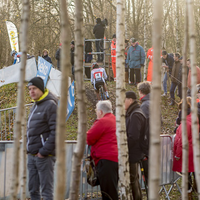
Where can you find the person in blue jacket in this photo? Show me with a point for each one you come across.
(135, 59)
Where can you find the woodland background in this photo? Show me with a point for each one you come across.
(44, 28)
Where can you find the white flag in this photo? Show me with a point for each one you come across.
(13, 36)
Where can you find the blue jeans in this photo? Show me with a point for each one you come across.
(165, 83)
(172, 90)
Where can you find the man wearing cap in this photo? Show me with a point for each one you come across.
(41, 129)
(135, 59)
(135, 127)
(113, 55)
(169, 62)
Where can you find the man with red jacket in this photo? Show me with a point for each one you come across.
(102, 139)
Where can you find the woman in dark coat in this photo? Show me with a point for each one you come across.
(46, 56)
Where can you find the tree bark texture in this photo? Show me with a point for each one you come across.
(24, 158)
(184, 111)
(195, 131)
(61, 113)
(155, 108)
(81, 99)
(20, 99)
(124, 175)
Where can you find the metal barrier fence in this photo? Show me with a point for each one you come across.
(168, 177)
(7, 118)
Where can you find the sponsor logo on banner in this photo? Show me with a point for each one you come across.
(71, 100)
(44, 69)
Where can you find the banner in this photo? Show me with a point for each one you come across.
(11, 74)
(44, 69)
(71, 100)
(13, 36)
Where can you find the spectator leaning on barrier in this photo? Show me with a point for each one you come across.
(169, 62)
(41, 129)
(45, 55)
(177, 154)
(135, 127)
(176, 78)
(104, 150)
(135, 59)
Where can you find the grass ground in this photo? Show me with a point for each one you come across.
(8, 98)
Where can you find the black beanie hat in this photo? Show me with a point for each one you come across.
(131, 95)
(38, 82)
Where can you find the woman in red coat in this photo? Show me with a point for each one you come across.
(177, 155)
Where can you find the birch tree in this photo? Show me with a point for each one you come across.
(61, 114)
(24, 158)
(81, 99)
(195, 130)
(178, 44)
(184, 111)
(20, 99)
(145, 37)
(124, 175)
(155, 123)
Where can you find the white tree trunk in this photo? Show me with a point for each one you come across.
(124, 175)
(61, 114)
(155, 123)
(81, 99)
(184, 112)
(20, 99)
(145, 38)
(195, 131)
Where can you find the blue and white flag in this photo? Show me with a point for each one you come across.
(71, 100)
(44, 69)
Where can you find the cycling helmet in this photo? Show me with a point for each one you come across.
(13, 52)
(95, 65)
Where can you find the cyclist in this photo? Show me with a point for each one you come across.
(98, 77)
(15, 55)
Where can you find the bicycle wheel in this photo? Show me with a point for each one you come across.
(102, 94)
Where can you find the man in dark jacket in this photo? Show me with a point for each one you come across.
(98, 32)
(169, 62)
(144, 89)
(41, 129)
(135, 127)
(57, 56)
(176, 78)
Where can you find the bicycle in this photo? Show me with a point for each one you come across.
(102, 93)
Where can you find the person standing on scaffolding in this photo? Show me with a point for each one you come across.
(98, 31)
(113, 55)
